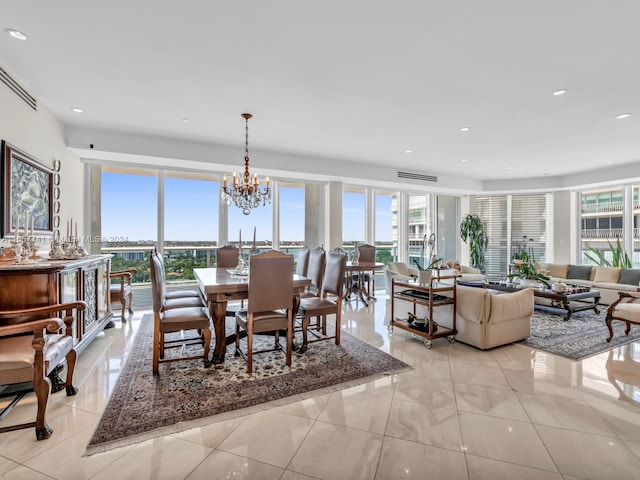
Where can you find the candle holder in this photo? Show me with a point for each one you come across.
(23, 248)
(67, 249)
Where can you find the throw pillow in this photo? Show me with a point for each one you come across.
(579, 272)
(607, 274)
(630, 276)
(558, 270)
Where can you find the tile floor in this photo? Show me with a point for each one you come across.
(461, 413)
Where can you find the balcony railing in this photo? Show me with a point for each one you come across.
(604, 233)
(602, 207)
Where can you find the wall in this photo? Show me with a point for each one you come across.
(41, 135)
(562, 221)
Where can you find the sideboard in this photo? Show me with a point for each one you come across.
(49, 282)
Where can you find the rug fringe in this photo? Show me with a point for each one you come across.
(221, 417)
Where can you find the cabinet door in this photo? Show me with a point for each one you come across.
(90, 290)
(102, 289)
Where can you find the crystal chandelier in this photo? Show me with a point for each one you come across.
(245, 191)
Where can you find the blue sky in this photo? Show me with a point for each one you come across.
(129, 204)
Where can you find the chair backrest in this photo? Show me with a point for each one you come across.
(270, 281)
(334, 273)
(367, 253)
(158, 292)
(227, 256)
(315, 271)
(302, 263)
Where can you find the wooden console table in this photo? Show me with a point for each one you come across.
(52, 282)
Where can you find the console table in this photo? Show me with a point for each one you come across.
(49, 282)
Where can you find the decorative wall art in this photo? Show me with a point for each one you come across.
(26, 191)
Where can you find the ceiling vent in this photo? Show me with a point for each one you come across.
(418, 176)
(17, 89)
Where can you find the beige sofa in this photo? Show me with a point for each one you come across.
(607, 280)
(399, 271)
(486, 319)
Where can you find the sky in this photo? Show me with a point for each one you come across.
(129, 205)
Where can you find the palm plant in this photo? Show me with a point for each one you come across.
(619, 256)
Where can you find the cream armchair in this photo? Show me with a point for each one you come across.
(398, 270)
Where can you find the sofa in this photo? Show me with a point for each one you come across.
(607, 280)
(399, 271)
(485, 318)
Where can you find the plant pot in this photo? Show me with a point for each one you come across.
(529, 282)
(424, 277)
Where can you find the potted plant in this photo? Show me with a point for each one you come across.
(424, 271)
(521, 252)
(529, 276)
(619, 256)
(472, 231)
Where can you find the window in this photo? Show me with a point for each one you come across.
(353, 218)
(384, 218)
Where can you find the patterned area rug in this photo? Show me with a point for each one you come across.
(186, 394)
(582, 336)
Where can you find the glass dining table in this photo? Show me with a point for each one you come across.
(219, 286)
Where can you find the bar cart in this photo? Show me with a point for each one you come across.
(436, 293)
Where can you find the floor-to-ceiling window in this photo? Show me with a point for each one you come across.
(129, 220)
(292, 217)
(191, 204)
(514, 218)
(421, 232)
(353, 218)
(386, 244)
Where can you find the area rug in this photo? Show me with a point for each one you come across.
(186, 394)
(582, 336)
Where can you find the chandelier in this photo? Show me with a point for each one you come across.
(245, 191)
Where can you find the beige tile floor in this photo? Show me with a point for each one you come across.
(461, 413)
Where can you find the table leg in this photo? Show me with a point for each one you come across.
(218, 311)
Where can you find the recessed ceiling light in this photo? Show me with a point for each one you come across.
(17, 34)
(185, 119)
(408, 151)
(562, 91)
(623, 115)
(463, 160)
(609, 162)
(465, 129)
(509, 168)
(77, 110)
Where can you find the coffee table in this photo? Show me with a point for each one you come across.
(576, 299)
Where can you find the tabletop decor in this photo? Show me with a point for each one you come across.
(186, 394)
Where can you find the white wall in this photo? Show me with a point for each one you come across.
(41, 135)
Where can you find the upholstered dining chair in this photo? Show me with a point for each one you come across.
(302, 262)
(315, 272)
(176, 315)
(33, 342)
(625, 309)
(329, 303)
(175, 298)
(367, 255)
(122, 291)
(270, 304)
(227, 256)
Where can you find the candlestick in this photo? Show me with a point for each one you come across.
(17, 223)
(240, 238)
(68, 229)
(224, 181)
(76, 229)
(254, 238)
(33, 226)
(26, 222)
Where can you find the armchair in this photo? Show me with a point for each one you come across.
(31, 347)
(625, 309)
(122, 291)
(398, 270)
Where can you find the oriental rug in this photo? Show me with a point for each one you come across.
(186, 394)
(582, 336)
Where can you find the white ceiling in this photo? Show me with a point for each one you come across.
(359, 81)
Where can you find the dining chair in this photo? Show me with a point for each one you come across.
(302, 262)
(315, 272)
(367, 255)
(122, 291)
(34, 342)
(227, 256)
(176, 294)
(270, 304)
(176, 315)
(329, 303)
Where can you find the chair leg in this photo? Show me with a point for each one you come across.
(305, 326)
(130, 304)
(42, 388)
(338, 324)
(289, 338)
(628, 329)
(206, 336)
(156, 349)
(71, 365)
(608, 322)
(250, 346)
(123, 302)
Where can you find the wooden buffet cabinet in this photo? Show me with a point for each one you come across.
(49, 282)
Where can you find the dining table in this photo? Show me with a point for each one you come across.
(356, 280)
(219, 286)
